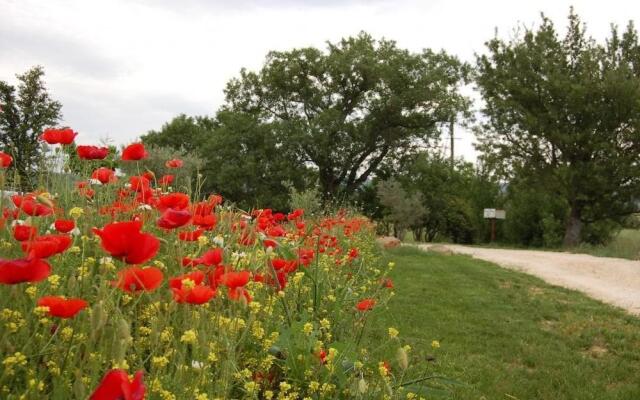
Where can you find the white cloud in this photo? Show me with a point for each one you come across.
(123, 67)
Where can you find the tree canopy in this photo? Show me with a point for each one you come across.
(348, 109)
(567, 112)
(24, 113)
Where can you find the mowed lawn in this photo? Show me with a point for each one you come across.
(508, 335)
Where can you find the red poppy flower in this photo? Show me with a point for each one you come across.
(196, 276)
(365, 304)
(171, 219)
(136, 279)
(386, 366)
(207, 222)
(149, 175)
(64, 225)
(84, 190)
(123, 240)
(46, 246)
(23, 270)
(24, 232)
(387, 283)
(62, 307)
(175, 163)
(288, 266)
(92, 152)
(353, 253)
(215, 277)
(5, 160)
(139, 183)
(280, 283)
(305, 255)
(30, 205)
(322, 355)
(198, 294)
(295, 214)
(134, 152)
(177, 200)
(190, 236)
(210, 257)
(275, 231)
(270, 243)
(58, 136)
(104, 175)
(235, 281)
(116, 386)
(166, 180)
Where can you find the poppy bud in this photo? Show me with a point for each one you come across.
(124, 333)
(71, 284)
(362, 386)
(78, 386)
(44, 199)
(98, 318)
(402, 358)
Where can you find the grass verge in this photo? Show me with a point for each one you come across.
(508, 335)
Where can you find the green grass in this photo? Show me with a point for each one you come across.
(508, 335)
(626, 244)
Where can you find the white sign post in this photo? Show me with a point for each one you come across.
(493, 214)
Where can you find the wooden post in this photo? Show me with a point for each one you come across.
(493, 229)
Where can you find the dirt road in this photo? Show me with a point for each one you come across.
(612, 280)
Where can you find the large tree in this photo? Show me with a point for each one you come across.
(24, 113)
(348, 109)
(567, 112)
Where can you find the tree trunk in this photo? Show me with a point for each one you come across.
(573, 228)
(399, 231)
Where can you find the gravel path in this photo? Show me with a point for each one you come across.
(612, 280)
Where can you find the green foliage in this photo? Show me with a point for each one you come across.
(23, 117)
(403, 210)
(242, 159)
(452, 197)
(182, 132)
(348, 110)
(245, 163)
(308, 200)
(534, 216)
(566, 111)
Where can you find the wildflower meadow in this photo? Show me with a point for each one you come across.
(142, 287)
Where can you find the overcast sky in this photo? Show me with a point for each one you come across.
(123, 67)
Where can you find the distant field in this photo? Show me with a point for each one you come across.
(508, 335)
